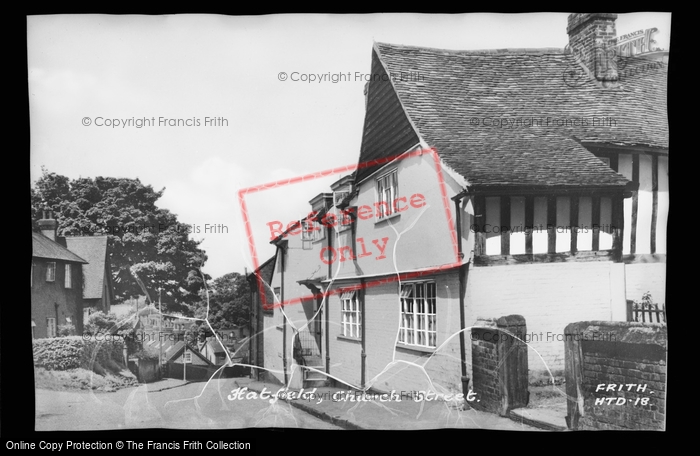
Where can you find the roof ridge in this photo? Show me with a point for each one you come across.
(466, 52)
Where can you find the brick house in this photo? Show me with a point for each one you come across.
(482, 163)
(56, 282)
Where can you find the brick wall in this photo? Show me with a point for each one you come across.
(589, 37)
(616, 375)
(499, 364)
(45, 295)
(485, 365)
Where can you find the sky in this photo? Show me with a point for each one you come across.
(94, 78)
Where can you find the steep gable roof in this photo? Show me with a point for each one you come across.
(178, 348)
(453, 98)
(94, 249)
(43, 247)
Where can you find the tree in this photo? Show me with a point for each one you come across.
(229, 301)
(102, 323)
(144, 240)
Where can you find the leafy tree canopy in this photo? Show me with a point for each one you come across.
(144, 240)
(229, 301)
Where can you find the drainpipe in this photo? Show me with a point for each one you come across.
(363, 364)
(55, 305)
(329, 232)
(252, 316)
(284, 320)
(463, 270)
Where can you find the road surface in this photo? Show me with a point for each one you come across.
(190, 406)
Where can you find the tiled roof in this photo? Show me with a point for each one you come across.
(94, 250)
(43, 247)
(175, 350)
(266, 270)
(453, 98)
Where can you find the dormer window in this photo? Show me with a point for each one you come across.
(346, 218)
(312, 230)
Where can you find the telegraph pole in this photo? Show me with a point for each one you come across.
(160, 333)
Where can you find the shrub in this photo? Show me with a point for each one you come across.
(58, 353)
(72, 352)
(101, 323)
(646, 303)
(66, 330)
(147, 353)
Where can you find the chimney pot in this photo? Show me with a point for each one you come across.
(48, 225)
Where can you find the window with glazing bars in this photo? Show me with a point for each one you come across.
(418, 314)
(387, 189)
(350, 314)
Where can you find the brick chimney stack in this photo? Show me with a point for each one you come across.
(48, 224)
(590, 36)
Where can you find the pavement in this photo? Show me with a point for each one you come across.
(165, 384)
(167, 403)
(353, 410)
(550, 419)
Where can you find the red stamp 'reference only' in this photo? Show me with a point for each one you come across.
(364, 212)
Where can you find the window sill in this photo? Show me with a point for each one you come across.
(388, 217)
(350, 339)
(415, 348)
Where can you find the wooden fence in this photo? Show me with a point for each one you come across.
(645, 312)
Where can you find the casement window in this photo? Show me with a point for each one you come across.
(50, 327)
(350, 315)
(345, 220)
(312, 230)
(387, 191)
(51, 271)
(418, 314)
(69, 276)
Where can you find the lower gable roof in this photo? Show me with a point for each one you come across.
(43, 247)
(533, 160)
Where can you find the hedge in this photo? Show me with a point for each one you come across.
(63, 353)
